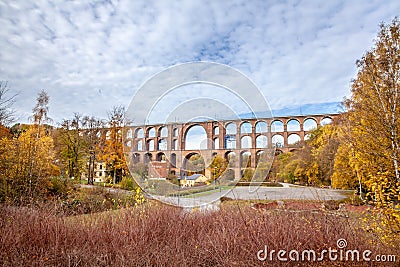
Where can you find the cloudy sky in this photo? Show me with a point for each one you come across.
(92, 55)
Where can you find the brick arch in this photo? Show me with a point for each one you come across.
(273, 127)
(248, 164)
(309, 119)
(186, 130)
(245, 131)
(258, 130)
(296, 128)
(139, 133)
(161, 131)
(186, 166)
(326, 118)
(149, 132)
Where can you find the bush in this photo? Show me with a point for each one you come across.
(58, 186)
(127, 183)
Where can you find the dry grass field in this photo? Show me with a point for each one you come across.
(153, 234)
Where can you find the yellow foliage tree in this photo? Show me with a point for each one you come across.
(374, 121)
(112, 151)
(19, 180)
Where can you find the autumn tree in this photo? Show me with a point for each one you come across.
(92, 137)
(373, 117)
(112, 151)
(217, 167)
(6, 112)
(312, 164)
(6, 102)
(72, 146)
(324, 142)
(39, 117)
(345, 172)
(293, 166)
(27, 161)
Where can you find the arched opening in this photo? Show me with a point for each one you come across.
(326, 120)
(195, 138)
(175, 144)
(193, 163)
(261, 141)
(150, 145)
(160, 157)
(228, 175)
(261, 127)
(139, 133)
(309, 124)
(230, 136)
(173, 160)
(162, 144)
(245, 159)
(129, 133)
(277, 126)
(245, 142)
(139, 146)
(259, 154)
(230, 128)
(151, 132)
(163, 131)
(277, 141)
(293, 125)
(216, 130)
(175, 132)
(245, 128)
(293, 139)
(216, 143)
(230, 157)
(136, 158)
(148, 157)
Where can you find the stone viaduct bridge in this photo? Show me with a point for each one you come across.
(166, 146)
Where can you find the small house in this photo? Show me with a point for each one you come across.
(193, 180)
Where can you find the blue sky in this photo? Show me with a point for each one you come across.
(92, 55)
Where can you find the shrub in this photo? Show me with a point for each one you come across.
(127, 183)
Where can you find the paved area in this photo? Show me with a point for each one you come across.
(210, 199)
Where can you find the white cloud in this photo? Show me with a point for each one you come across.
(93, 55)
